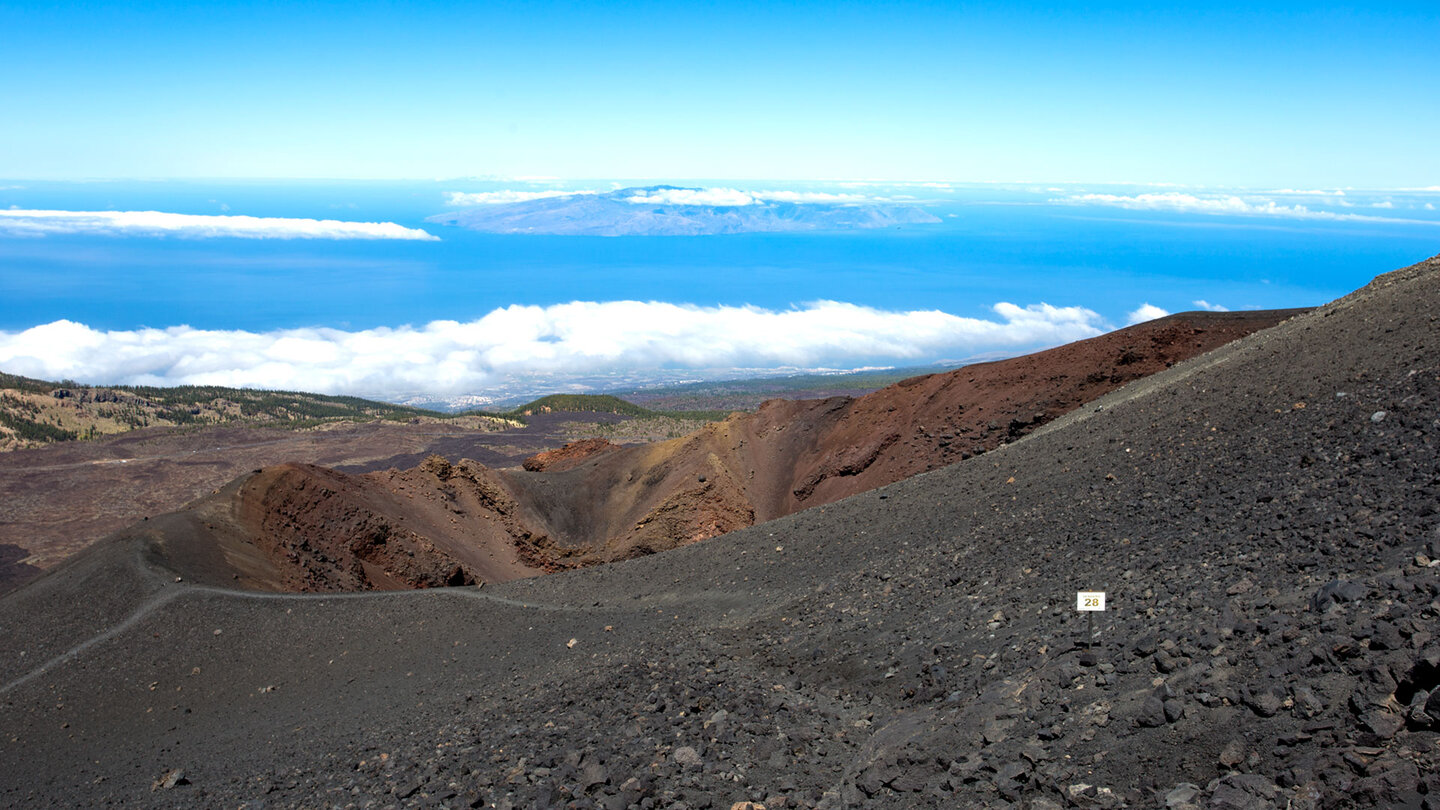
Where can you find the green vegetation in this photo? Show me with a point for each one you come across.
(30, 430)
(580, 403)
(747, 394)
(182, 400)
(13, 404)
(605, 403)
(34, 412)
(15, 382)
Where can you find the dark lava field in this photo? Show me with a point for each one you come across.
(1263, 519)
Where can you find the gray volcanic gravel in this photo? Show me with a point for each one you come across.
(1263, 520)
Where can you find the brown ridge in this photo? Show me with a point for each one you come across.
(569, 456)
(595, 502)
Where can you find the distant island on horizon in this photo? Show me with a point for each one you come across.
(678, 211)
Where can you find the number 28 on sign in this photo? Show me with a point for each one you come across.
(1090, 600)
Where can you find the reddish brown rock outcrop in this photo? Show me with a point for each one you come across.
(433, 526)
(568, 456)
(592, 502)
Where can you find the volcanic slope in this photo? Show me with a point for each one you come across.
(1263, 519)
(596, 502)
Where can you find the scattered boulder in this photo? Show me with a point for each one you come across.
(1382, 723)
(1233, 753)
(1243, 791)
(1307, 702)
(687, 756)
(170, 779)
(1267, 701)
(1181, 795)
(1337, 591)
(1152, 713)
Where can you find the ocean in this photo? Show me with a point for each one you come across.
(993, 244)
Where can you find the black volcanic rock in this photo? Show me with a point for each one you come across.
(615, 214)
(920, 650)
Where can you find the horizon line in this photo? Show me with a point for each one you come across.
(543, 180)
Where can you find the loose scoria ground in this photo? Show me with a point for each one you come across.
(1263, 519)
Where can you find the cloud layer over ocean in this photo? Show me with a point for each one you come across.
(23, 222)
(505, 197)
(1236, 205)
(448, 357)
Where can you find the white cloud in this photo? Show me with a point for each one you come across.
(1385, 204)
(811, 197)
(1178, 201)
(22, 222)
(1223, 205)
(694, 196)
(1310, 192)
(736, 197)
(1146, 312)
(1209, 307)
(1429, 206)
(575, 338)
(501, 197)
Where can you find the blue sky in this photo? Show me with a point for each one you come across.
(1254, 94)
(1091, 164)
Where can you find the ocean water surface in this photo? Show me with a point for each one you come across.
(1020, 245)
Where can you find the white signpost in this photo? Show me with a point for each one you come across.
(1090, 603)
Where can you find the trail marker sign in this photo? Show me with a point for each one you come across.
(1090, 603)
